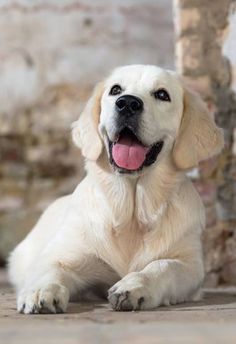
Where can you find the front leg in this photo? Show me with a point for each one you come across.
(161, 282)
(52, 283)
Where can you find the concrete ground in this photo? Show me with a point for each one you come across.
(213, 320)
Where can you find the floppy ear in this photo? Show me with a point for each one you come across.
(199, 138)
(85, 130)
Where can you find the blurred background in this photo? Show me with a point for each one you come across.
(52, 53)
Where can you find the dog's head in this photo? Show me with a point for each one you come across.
(142, 113)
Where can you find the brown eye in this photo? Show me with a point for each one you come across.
(162, 94)
(116, 89)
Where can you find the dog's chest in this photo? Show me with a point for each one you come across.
(130, 219)
(126, 250)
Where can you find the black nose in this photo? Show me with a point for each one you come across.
(129, 105)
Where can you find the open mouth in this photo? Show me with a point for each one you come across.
(129, 154)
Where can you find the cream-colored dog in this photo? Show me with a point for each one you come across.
(134, 223)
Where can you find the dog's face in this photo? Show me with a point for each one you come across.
(141, 110)
(142, 113)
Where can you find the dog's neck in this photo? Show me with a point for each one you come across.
(142, 199)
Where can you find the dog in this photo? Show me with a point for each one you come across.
(132, 227)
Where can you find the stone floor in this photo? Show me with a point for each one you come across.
(213, 320)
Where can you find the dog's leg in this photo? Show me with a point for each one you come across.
(162, 282)
(53, 283)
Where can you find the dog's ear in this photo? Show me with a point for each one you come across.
(199, 138)
(85, 130)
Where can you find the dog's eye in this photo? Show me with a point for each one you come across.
(116, 89)
(162, 94)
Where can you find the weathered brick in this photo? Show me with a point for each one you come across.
(186, 20)
(12, 148)
(189, 54)
(200, 84)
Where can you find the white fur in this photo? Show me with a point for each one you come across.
(139, 235)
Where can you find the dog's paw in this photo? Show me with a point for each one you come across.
(52, 298)
(129, 294)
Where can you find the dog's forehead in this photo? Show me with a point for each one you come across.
(146, 76)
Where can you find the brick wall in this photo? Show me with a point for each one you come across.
(204, 34)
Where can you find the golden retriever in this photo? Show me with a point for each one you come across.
(132, 227)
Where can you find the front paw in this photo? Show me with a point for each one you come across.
(130, 293)
(52, 298)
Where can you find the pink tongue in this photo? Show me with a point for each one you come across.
(129, 154)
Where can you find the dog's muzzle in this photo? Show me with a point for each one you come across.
(127, 152)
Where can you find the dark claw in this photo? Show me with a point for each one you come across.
(113, 299)
(34, 310)
(56, 305)
(121, 300)
(125, 306)
(22, 308)
(140, 302)
(44, 309)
